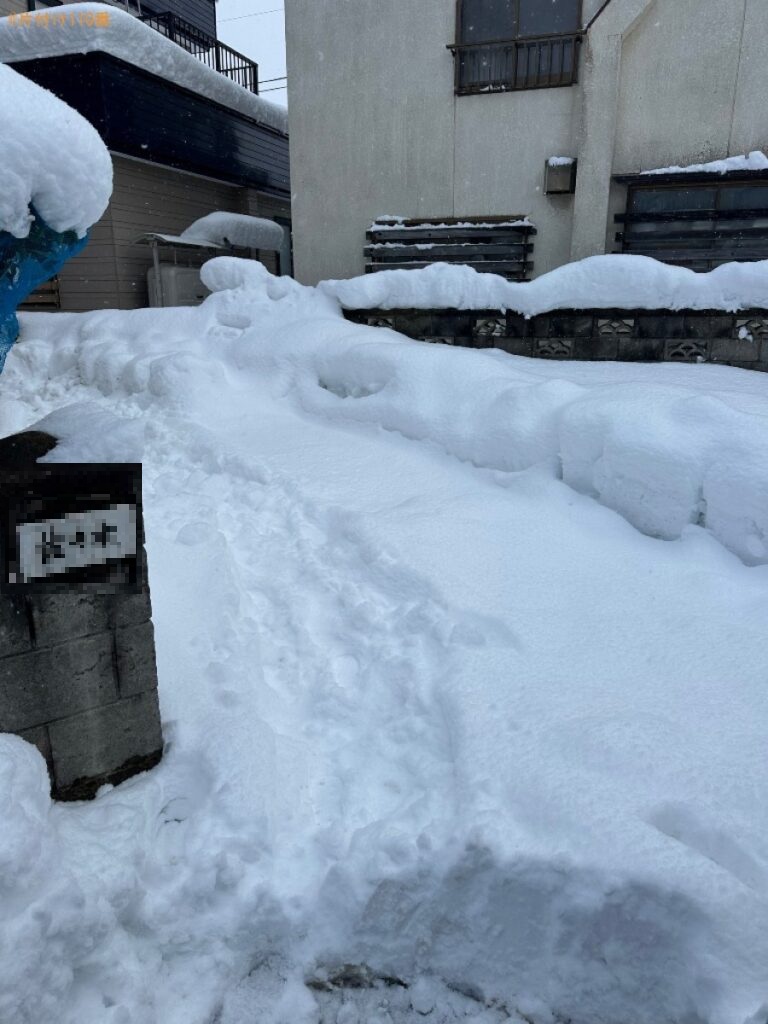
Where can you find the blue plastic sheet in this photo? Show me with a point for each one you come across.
(25, 263)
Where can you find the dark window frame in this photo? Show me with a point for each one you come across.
(513, 81)
(662, 234)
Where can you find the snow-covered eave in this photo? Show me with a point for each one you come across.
(125, 37)
(687, 177)
(749, 166)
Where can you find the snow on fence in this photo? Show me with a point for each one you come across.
(616, 307)
(492, 245)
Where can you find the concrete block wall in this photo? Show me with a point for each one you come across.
(78, 679)
(77, 667)
(689, 336)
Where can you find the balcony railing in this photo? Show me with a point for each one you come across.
(207, 49)
(510, 64)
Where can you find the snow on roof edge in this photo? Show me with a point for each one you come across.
(130, 40)
(754, 161)
(223, 227)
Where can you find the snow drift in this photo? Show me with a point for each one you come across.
(449, 738)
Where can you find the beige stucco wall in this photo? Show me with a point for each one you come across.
(376, 127)
(371, 131)
(678, 82)
(111, 271)
(12, 7)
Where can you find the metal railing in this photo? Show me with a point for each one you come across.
(206, 48)
(536, 63)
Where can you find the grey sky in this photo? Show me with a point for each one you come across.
(257, 29)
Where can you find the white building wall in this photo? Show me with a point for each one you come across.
(376, 127)
(501, 144)
(679, 72)
(370, 92)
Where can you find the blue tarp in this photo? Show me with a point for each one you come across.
(25, 263)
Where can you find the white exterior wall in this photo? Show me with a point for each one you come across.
(376, 127)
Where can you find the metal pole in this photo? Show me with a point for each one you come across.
(158, 276)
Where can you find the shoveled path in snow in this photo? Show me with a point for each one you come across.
(534, 636)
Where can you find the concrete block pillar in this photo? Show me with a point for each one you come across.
(77, 666)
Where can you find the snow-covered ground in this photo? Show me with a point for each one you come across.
(463, 672)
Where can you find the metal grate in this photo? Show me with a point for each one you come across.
(206, 48)
(699, 226)
(495, 245)
(511, 64)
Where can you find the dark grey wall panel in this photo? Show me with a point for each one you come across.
(200, 13)
(142, 115)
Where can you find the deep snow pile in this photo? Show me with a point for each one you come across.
(598, 282)
(449, 738)
(52, 158)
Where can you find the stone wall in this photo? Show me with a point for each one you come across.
(735, 339)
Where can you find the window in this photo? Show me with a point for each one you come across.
(516, 44)
(699, 225)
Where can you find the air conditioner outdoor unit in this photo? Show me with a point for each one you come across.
(181, 286)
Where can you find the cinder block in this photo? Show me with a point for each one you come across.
(136, 667)
(59, 617)
(597, 347)
(515, 346)
(646, 350)
(106, 744)
(129, 609)
(708, 325)
(14, 627)
(42, 685)
(39, 738)
(726, 350)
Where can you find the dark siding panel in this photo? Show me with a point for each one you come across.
(75, 79)
(200, 13)
(141, 115)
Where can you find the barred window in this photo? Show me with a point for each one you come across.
(516, 44)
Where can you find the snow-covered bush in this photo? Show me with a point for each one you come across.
(57, 180)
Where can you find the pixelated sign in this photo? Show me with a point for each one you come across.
(71, 526)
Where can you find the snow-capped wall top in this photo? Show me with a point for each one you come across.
(52, 158)
(23, 37)
(222, 228)
(598, 282)
(390, 223)
(754, 161)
